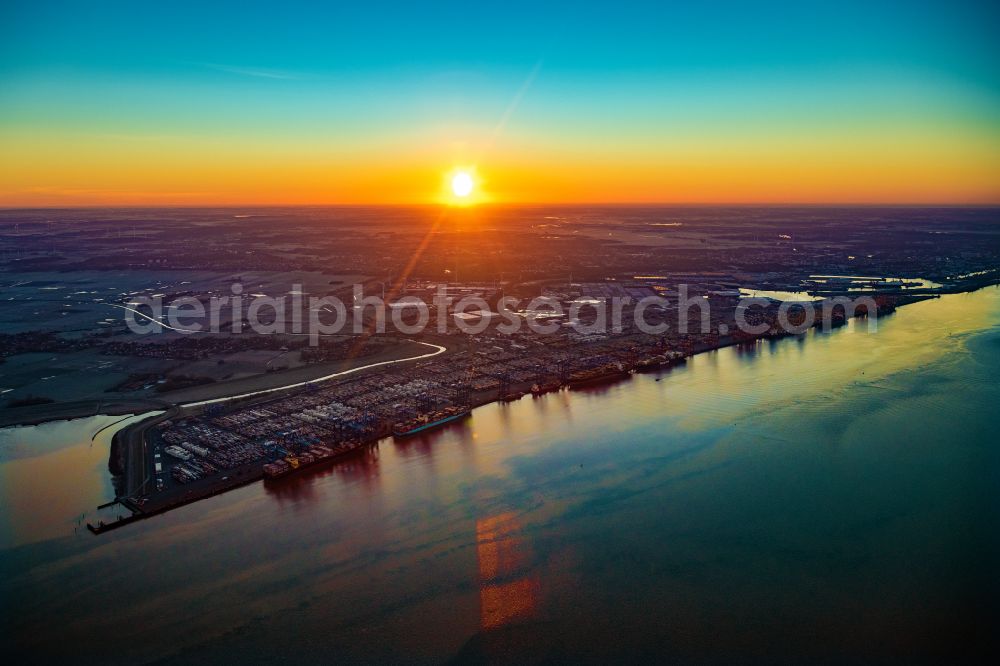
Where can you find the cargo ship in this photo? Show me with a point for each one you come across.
(429, 421)
(548, 387)
(659, 362)
(598, 375)
(649, 364)
(313, 456)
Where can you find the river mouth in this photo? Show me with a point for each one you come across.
(809, 487)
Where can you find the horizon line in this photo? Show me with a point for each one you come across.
(437, 205)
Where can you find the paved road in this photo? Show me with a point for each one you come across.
(438, 349)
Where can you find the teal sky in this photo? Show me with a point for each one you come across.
(944, 39)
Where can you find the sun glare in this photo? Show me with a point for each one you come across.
(462, 184)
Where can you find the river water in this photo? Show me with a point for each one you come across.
(832, 496)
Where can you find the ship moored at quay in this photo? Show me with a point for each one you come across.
(430, 421)
(314, 456)
(659, 362)
(605, 373)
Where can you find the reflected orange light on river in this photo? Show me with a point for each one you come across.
(506, 593)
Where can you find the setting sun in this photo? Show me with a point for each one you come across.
(462, 184)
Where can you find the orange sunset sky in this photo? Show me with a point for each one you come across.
(123, 105)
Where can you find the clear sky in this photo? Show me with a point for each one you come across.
(131, 103)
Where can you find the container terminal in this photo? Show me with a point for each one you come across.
(188, 453)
